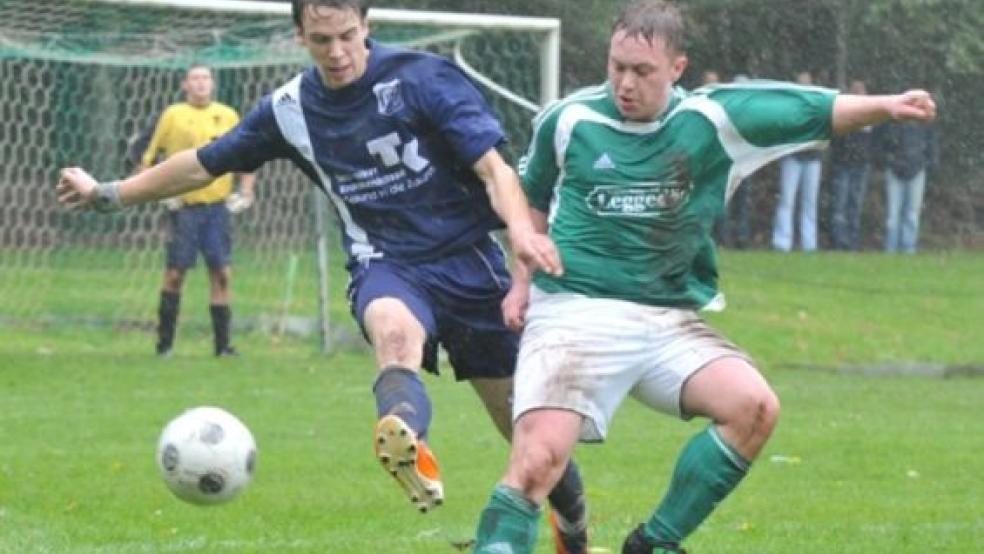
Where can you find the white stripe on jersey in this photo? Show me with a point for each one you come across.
(287, 109)
(579, 112)
(747, 157)
(585, 94)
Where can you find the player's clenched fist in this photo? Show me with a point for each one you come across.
(913, 105)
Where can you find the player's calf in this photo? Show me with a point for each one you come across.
(568, 516)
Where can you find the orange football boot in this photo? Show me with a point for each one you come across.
(409, 461)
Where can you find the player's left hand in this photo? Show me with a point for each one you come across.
(75, 188)
(515, 304)
(913, 105)
(536, 251)
(173, 203)
(238, 202)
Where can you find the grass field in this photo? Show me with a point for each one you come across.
(858, 464)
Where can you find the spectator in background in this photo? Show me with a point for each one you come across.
(799, 172)
(710, 77)
(906, 151)
(850, 160)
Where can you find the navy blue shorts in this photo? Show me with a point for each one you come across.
(199, 227)
(456, 299)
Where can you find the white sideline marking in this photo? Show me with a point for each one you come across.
(192, 544)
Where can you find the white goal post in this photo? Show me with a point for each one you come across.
(548, 27)
(80, 77)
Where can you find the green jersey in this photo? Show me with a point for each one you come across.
(631, 204)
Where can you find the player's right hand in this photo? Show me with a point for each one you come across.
(75, 188)
(537, 251)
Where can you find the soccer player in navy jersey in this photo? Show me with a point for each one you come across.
(405, 147)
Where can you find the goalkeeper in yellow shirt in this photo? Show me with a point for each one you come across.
(198, 220)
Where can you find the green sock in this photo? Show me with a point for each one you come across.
(706, 472)
(509, 518)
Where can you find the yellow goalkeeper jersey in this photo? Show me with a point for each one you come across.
(183, 126)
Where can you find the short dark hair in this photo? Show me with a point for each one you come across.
(652, 19)
(297, 7)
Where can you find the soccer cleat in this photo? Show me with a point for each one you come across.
(638, 543)
(409, 461)
(567, 542)
(163, 351)
(227, 352)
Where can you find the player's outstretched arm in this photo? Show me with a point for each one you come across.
(176, 175)
(853, 112)
(531, 247)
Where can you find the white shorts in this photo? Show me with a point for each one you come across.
(586, 354)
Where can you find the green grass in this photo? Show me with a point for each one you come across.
(857, 464)
(104, 284)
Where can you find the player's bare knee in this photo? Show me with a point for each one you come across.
(220, 280)
(538, 465)
(769, 409)
(393, 343)
(173, 280)
(757, 413)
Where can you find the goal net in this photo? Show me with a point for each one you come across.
(79, 79)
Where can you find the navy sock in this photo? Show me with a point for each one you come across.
(567, 499)
(399, 391)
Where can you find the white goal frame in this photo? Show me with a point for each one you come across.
(546, 27)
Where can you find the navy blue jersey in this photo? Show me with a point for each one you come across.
(394, 151)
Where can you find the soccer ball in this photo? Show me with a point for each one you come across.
(206, 456)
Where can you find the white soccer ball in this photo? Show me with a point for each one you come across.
(206, 456)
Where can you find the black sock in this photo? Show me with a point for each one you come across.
(221, 318)
(167, 319)
(567, 498)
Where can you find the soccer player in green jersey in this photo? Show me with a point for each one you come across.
(629, 177)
